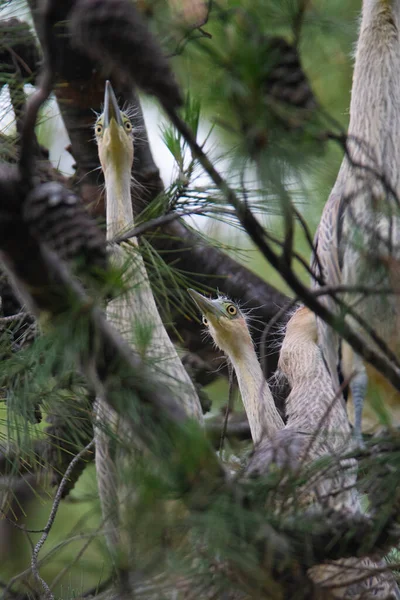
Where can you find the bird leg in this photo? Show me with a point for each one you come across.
(358, 388)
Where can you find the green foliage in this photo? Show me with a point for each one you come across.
(276, 157)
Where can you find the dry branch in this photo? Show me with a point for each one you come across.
(56, 503)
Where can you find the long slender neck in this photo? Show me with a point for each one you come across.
(375, 101)
(119, 207)
(135, 313)
(261, 411)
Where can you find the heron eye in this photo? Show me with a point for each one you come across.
(232, 310)
(128, 125)
(99, 129)
(205, 321)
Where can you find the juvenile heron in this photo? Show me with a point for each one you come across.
(228, 328)
(317, 418)
(317, 426)
(312, 409)
(137, 309)
(358, 236)
(135, 313)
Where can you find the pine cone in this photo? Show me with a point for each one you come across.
(58, 218)
(286, 81)
(114, 31)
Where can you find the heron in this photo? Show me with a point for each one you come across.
(300, 361)
(314, 408)
(134, 313)
(228, 327)
(358, 237)
(317, 425)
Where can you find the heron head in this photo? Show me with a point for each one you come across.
(225, 322)
(114, 136)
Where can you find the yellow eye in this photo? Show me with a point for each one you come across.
(99, 129)
(205, 321)
(128, 126)
(232, 310)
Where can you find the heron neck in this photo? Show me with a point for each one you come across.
(259, 404)
(119, 206)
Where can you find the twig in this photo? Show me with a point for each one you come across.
(20, 527)
(158, 222)
(309, 239)
(28, 138)
(188, 37)
(12, 318)
(298, 21)
(287, 247)
(52, 516)
(353, 289)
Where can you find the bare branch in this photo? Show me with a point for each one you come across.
(50, 521)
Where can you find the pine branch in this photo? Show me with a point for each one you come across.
(114, 360)
(48, 288)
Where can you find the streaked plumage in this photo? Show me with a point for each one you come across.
(134, 313)
(317, 426)
(358, 236)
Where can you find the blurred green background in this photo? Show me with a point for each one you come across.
(75, 555)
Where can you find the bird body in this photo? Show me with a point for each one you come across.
(317, 426)
(317, 423)
(358, 238)
(314, 407)
(135, 315)
(301, 362)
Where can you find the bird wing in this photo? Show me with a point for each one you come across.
(326, 264)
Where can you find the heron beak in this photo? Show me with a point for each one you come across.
(111, 108)
(207, 307)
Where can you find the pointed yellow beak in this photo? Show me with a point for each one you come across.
(115, 145)
(207, 307)
(111, 108)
